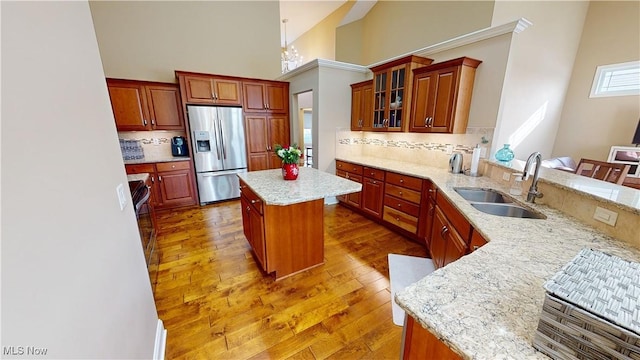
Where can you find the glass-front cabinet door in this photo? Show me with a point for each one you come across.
(380, 101)
(392, 92)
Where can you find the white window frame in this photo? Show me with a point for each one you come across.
(603, 71)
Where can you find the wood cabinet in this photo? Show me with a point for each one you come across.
(253, 223)
(141, 105)
(352, 172)
(392, 92)
(477, 241)
(449, 234)
(172, 183)
(402, 198)
(372, 191)
(209, 89)
(442, 96)
(428, 208)
(362, 106)
(283, 250)
(266, 96)
(419, 343)
(262, 133)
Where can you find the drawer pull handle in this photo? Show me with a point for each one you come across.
(254, 201)
(398, 219)
(399, 205)
(248, 209)
(400, 193)
(401, 180)
(444, 231)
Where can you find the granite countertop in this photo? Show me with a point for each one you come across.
(150, 160)
(487, 304)
(311, 184)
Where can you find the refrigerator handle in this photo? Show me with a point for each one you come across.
(222, 144)
(215, 137)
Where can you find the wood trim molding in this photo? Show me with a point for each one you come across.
(318, 63)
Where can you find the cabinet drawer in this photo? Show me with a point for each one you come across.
(140, 168)
(402, 193)
(455, 217)
(409, 182)
(400, 219)
(251, 197)
(402, 205)
(174, 165)
(349, 167)
(373, 173)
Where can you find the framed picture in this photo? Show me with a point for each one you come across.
(626, 155)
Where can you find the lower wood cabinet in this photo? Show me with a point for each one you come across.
(402, 198)
(283, 250)
(428, 208)
(253, 224)
(477, 241)
(372, 191)
(449, 234)
(173, 183)
(420, 344)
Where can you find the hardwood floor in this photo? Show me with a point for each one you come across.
(216, 304)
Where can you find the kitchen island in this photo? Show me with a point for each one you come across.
(283, 220)
(487, 304)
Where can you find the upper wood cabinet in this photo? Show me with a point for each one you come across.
(141, 105)
(266, 96)
(442, 96)
(392, 91)
(209, 89)
(362, 106)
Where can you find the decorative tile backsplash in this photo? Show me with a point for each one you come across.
(432, 149)
(156, 145)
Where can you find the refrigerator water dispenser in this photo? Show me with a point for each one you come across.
(203, 144)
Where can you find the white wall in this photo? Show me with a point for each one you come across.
(148, 40)
(611, 35)
(74, 279)
(538, 72)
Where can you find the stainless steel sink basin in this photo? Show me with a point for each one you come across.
(493, 202)
(509, 210)
(482, 195)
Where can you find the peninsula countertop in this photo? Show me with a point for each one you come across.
(312, 184)
(486, 305)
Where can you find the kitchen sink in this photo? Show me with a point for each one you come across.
(493, 202)
(509, 210)
(482, 195)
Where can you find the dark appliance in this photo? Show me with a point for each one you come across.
(179, 146)
(140, 196)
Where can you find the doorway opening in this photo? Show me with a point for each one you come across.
(305, 126)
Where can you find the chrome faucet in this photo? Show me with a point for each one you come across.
(533, 190)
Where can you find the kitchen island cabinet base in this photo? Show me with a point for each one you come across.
(297, 246)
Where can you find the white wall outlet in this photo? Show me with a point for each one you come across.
(506, 176)
(606, 216)
(121, 196)
(156, 141)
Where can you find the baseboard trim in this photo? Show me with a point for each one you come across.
(161, 341)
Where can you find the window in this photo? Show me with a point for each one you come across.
(617, 80)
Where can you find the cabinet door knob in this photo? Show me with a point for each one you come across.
(248, 209)
(444, 232)
(159, 178)
(397, 219)
(144, 121)
(426, 122)
(399, 205)
(400, 193)
(254, 201)
(401, 180)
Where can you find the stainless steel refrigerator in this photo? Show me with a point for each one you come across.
(217, 138)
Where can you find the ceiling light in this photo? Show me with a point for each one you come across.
(290, 57)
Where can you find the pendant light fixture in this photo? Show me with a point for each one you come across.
(289, 57)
